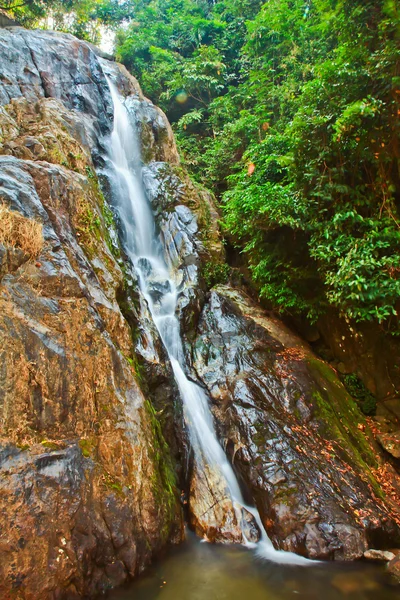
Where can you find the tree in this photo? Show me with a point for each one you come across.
(78, 17)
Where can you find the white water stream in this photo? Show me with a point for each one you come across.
(159, 288)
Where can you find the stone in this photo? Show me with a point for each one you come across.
(249, 526)
(390, 442)
(394, 568)
(212, 513)
(379, 555)
(287, 419)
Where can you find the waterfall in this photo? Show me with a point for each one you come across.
(159, 288)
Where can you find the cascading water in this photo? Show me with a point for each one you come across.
(159, 288)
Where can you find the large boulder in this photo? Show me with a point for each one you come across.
(292, 432)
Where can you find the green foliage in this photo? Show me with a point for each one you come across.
(79, 17)
(363, 396)
(289, 111)
(28, 11)
(215, 272)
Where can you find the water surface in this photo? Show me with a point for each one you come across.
(201, 571)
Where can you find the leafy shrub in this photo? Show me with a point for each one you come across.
(357, 389)
(215, 272)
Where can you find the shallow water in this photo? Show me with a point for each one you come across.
(200, 571)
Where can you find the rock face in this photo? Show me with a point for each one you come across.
(87, 487)
(291, 431)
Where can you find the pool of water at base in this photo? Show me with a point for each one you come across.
(201, 571)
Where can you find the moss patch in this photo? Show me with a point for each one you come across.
(88, 447)
(215, 272)
(339, 417)
(163, 478)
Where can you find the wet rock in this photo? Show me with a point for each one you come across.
(188, 224)
(145, 266)
(158, 289)
(212, 513)
(249, 526)
(290, 427)
(394, 568)
(379, 555)
(390, 442)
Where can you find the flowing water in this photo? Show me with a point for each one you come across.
(196, 571)
(158, 286)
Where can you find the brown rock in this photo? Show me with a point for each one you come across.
(379, 555)
(87, 487)
(394, 567)
(390, 442)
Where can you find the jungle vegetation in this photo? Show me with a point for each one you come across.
(288, 110)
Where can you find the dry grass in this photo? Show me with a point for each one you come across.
(16, 231)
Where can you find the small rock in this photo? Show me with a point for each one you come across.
(250, 527)
(394, 567)
(391, 443)
(379, 555)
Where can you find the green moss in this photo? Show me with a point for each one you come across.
(50, 445)
(286, 495)
(89, 172)
(88, 446)
(365, 399)
(339, 416)
(88, 226)
(112, 483)
(136, 367)
(163, 479)
(23, 447)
